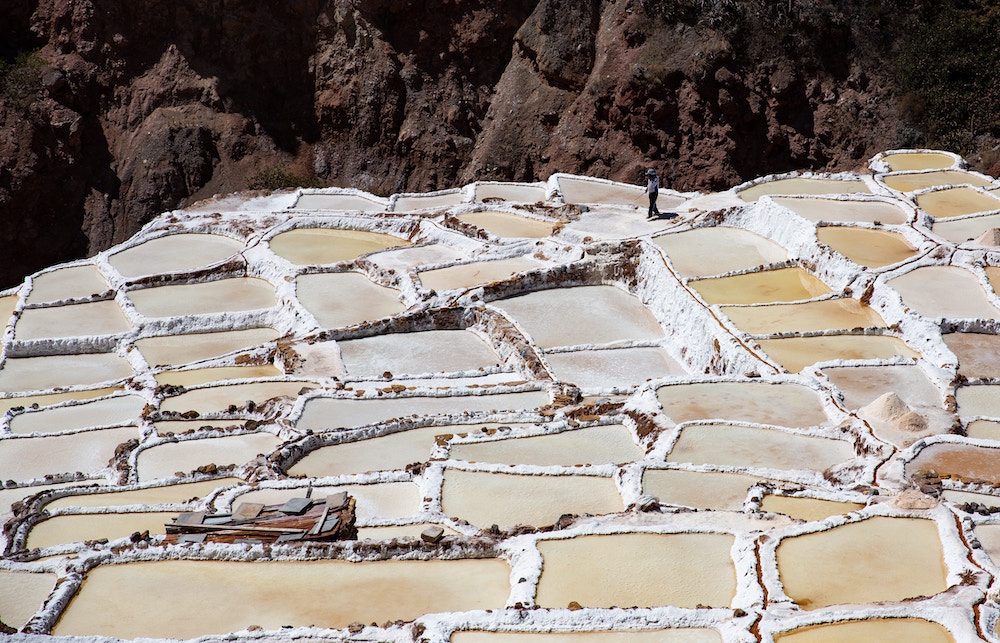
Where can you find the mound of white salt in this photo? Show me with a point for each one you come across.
(989, 238)
(887, 408)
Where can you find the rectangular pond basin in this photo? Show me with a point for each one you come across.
(68, 529)
(944, 291)
(870, 248)
(126, 601)
(508, 500)
(699, 490)
(430, 351)
(216, 399)
(163, 460)
(877, 559)
(674, 635)
(795, 353)
(385, 453)
(173, 350)
(873, 629)
(520, 192)
(829, 314)
(610, 443)
(198, 376)
(963, 230)
(607, 314)
(967, 462)
(320, 246)
(344, 202)
(805, 508)
(343, 299)
(730, 249)
(87, 452)
(22, 594)
(48, 399)
(899, 161)
(741, 446)
(818, 209)
(911, 182)
(614, 367)
(634, 569)
(74, 320)
(508, 225)
(174, 253)
(109, 411)
(413, 202)
(221, 296)
(467, 275)
(78, 282)
(956, 202)
(765, 286)
(166, 494)
(861, 385)
(581, 190)
(802, 185)
(784, 404)
(979, 399)
(327, 413)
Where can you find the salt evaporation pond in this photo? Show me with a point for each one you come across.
(537, 425)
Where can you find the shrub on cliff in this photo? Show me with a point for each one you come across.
(279, 178)
(21, 78)
(948, 63)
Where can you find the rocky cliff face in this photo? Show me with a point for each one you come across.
(144, 105)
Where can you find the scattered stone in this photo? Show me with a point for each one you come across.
(432, 534)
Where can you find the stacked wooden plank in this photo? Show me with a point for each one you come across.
(297, 520)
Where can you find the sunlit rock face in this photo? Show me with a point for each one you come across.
(771, 412)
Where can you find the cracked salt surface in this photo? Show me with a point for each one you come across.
(742, 423)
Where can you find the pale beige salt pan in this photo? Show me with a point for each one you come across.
(862, 384)
(962, 230)
(163, 460)
(74, 320)
(630, 569)
(808, 509)
(799, 185)
(989, 537)
(578, 190)
(430, 351)
(173, 350)
(829, 314)
(795, 353)
(699, 490)
(403, 259)
(197, 376)
(524, 499)
(956, 202)
(729, 249)
(113, 410)
(317, 246)
(166, 494)
(920, 180)
(385, 501)
(871, 248)
(592, 445)
(413, 202)
(127, 600)
(878, 559)
(983, 399)
(606, 314)
(383, 453)
(49, 399)
(399, 531)
(918, 161)
(523, 193)
(783, 404)
(78, 282)
(174, 253)
(613, 368)
(887, 630)
(215, 399)
(479, 272)
(676, 635)
(983, 430)
(22, 594)
(224, 295)
(783, 284)
(508, 225)
(326, 413)
(88, 452)
(956, 497)
(963, 461)
(751, 447)
(840, 210)
(67, 529)
(345, 299)
(345, 202)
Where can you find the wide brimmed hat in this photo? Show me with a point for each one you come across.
(650, 172)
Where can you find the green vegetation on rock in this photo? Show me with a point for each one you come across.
(21, 77)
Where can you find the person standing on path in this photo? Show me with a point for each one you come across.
(652, 189)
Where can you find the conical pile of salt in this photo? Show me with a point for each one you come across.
(989, 238)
